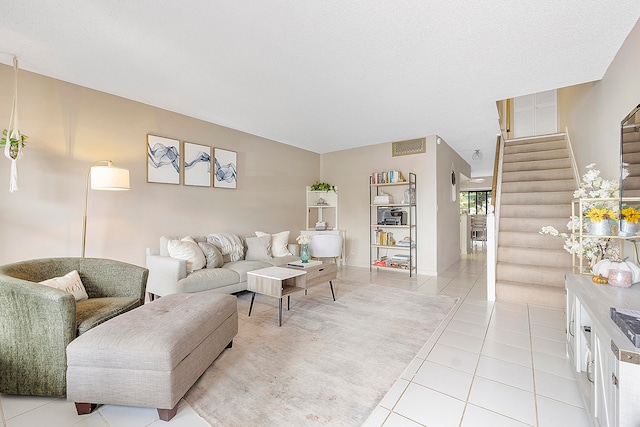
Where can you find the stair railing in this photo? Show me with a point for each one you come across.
(574, 165)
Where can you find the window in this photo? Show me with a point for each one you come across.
(475, 202)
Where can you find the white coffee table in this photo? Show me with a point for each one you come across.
(276, 282)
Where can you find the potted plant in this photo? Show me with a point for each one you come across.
(599, 220)
(14, 147)
(323, 186)
(628, 221)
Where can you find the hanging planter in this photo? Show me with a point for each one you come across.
(12, 140)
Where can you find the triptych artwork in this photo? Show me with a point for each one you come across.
(167, 163)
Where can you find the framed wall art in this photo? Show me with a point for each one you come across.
(224, 170)
(197, 164)
(163, 160)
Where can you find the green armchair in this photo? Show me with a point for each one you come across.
(37, 322)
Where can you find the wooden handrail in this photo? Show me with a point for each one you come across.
(494, 184)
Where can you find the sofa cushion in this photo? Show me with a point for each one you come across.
(242, 267)
(94, 311)
(279, 242)
(212, 254)
(187, 249)
(258, 248)
(208, 278)
(164, 240)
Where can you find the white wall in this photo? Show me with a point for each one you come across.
(69, 127)
(593, 111)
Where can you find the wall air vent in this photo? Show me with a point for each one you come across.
(411, 146)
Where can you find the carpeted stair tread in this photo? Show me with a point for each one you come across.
(532, 225)
(530, 293)
(529, 239)
(536, 156)
(514, 148)
(632, 157)
(547, 276)
(535, 211)
(538, 175)
(535, 257)
(534, 186)
(629, 147)
(631, 183)
(532, 165)
(545, 198)
(634, 170)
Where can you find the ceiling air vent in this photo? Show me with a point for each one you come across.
(411, 146)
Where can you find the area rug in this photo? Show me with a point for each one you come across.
(330, 363)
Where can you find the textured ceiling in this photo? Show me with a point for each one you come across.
(323, 75)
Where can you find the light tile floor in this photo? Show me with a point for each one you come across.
(488, 364)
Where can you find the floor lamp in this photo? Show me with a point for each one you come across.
(106, 177)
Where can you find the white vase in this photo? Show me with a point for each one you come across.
(627, 228)
(599, 228)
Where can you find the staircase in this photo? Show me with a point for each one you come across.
(536, 190)
(631, 156)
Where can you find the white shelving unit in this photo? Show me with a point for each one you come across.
(318, 212)
(404, 209)
(578, 207)
(327, 212)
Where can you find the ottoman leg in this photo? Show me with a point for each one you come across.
(83, 408)
(167, 414)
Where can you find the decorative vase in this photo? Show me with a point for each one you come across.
(599, 228)
(304, 253)
(620, 278)
(627, 228)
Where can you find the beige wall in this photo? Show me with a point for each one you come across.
(69, 127)
(592, 111)
(350, 171)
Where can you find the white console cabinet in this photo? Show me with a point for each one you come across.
(606, 363)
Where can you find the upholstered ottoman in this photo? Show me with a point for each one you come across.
(152, 355)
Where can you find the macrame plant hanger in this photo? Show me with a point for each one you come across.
(14, 153)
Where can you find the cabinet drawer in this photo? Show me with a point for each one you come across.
(322, 274)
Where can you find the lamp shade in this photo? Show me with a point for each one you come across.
(109, 178)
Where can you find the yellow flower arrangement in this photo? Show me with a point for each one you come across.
(630, 214)
(596, 214)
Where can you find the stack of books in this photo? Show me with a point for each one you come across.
(399, 261)
(300, 264)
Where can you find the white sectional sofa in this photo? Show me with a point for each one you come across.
(179, 274)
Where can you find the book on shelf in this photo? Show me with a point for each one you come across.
(387, 177)
(300, 264)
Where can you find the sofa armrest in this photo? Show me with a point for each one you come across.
(164, 273)
(37, 323)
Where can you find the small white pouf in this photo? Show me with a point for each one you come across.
(152, 355)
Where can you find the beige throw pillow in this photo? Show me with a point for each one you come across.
(188, 250)
(279, 243)
(258, 248)
(71, 283)
(212, 254)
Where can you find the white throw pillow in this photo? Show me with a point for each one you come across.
(279, 243)
(71, 283)
(188, 250)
